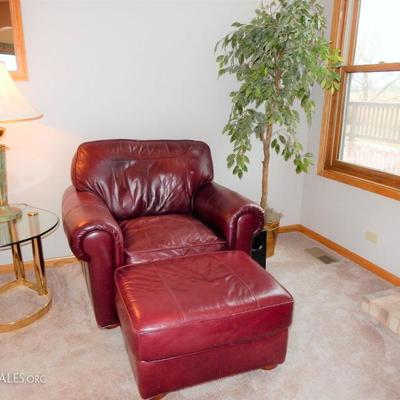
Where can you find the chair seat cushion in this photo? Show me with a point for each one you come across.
(164, 236)
(191, 304)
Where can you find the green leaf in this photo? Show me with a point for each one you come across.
(230, 160)
(222, 71)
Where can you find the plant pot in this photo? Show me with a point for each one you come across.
(272, 229)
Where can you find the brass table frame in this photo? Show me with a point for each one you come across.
(20, 280)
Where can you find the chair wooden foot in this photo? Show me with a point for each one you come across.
(269, 367)
(158, 397)
(111, 326)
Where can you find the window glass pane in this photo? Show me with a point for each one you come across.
(7, 53)
(371, 123)
(378, 32)
(10, 61)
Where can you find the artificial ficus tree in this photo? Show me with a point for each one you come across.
(277, 58)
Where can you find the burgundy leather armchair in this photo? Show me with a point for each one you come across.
(134, 201)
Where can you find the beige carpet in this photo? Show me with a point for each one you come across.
(334, 352)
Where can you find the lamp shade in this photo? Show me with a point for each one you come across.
(13, 105)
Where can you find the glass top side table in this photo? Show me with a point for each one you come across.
(31, 226)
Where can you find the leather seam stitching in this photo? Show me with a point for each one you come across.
(169, 259)
(125, 306)
(172, 295)
(177, 248)
(206, 350)
(240, 279)
(74, 179)
(150, 158)
(200, 321)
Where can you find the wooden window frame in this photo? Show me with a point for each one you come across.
(329, 165)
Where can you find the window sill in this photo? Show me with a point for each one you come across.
(361, 183)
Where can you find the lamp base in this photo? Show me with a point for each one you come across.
(8, 213)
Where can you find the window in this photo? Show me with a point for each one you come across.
(360, 140)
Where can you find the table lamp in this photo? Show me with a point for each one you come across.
(13, 108)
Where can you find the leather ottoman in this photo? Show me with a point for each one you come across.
(192, 319)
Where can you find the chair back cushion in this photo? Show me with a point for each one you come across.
(137, 178)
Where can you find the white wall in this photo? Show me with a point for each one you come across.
(344, 213)
(126, 69)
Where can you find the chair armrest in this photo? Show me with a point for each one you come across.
(84, 213)
(236, 217)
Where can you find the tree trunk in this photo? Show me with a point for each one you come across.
(267, 135)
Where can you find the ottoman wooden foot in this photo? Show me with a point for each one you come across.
(112, 326)
(158, 397)
(269, 367)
